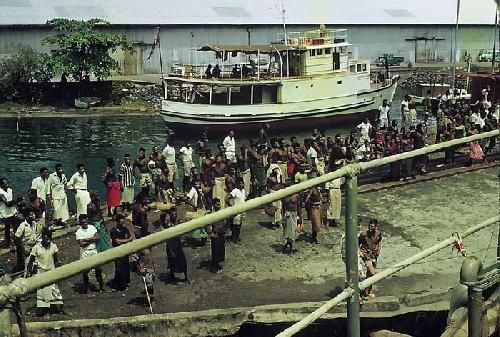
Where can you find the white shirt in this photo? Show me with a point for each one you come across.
(384, 111)
(238, 195)
(187, 153)
(56, 186)
(6, 211)
(360, 152)
(364, 129)
(405, 106)
(169, 154)
(26, 233)
(475, 118)
(44, 257)
(312, 156)
(496, 114)
(193, 196)
(40, 185)
(78, 181)
(230, 144)
(84, 234)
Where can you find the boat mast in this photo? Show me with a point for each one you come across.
(286, 39)
(453, 83)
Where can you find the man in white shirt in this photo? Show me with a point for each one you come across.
(44, 255)
(56, 190)
(230, 146)
(186, 156)
(40, 184)
(8, 210)
(237, 196)
(405, 112)
(383, 114)
(87, 236)
(364, 129)
(169, 155)
(78, 183)
(25, 238)
(311, 154)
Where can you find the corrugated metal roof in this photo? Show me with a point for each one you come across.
(165, 12)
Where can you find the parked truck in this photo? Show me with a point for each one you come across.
(391, 60)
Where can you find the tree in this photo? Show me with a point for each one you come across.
(82, 50)
(21, 69)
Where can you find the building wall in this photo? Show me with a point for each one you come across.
(177, 42)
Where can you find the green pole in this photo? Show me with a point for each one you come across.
(351, 240)
(5, 323)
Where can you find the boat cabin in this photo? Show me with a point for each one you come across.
(264, 74)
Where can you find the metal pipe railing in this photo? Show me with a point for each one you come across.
(292, 330)
(351, 246)
(22, 286)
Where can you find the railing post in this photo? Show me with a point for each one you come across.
(5, 321)
(351, 240)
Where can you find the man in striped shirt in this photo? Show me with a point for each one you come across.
(127, 182)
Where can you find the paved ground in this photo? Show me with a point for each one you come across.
(412, 217)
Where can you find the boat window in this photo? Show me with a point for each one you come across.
(328, 50)
(312, 52)
(358, 67)
(364, 66)
(343, 50)
(319, 52)
(352, 68)
(339, 82)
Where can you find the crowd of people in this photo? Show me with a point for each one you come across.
(212, 180)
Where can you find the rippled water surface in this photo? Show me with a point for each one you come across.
(46, 141)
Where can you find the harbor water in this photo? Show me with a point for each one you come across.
(30, 143)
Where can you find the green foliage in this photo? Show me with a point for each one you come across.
(21, 69)
(83, 47)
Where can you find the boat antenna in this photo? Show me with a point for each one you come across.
(283, 12)
(453, 83)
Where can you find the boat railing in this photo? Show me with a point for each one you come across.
(313, 37)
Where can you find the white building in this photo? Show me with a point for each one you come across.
(418, 30)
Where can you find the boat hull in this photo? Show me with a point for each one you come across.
(327, 113)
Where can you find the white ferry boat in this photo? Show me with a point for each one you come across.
(310, 80)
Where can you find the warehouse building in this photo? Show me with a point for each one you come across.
(418, 30)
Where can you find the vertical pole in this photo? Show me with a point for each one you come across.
(159, 50)
(475, 310)
(498, 235)
(493, 59)
(351, 225)
(455, 48)
(5, 323)
(258, 65)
